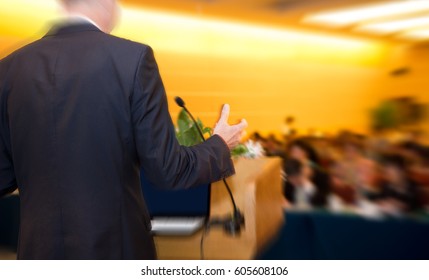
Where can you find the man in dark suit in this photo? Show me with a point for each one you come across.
(80, 112)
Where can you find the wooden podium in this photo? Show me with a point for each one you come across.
(257, 189)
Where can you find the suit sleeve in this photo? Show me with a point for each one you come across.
(7, 174)
(165, 163)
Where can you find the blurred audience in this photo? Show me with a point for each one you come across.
(350, 171)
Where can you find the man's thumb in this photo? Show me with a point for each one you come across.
(225, 113)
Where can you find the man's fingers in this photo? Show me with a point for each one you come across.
(240, 127)
(225, 114)
(242, 124)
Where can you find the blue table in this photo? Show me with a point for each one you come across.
(322, 235)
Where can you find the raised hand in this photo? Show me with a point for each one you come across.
(231, 134)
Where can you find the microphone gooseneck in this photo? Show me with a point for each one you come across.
(231, 225)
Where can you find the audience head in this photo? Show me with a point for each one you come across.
(413, 152)
(395, 167)
(293, 169)
(353, 148)
(425, 156)
(302, 151)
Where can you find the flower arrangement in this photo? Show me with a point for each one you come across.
(249, 149)
(187, 134)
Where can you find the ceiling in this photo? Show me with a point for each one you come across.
(283, 13)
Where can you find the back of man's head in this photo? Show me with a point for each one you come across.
(96, 3)
(103, 12)
(71, 2)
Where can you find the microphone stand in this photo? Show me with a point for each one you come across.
(232, 225)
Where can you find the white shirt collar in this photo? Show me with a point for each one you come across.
(80, 18)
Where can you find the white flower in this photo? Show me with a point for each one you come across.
(254, 150)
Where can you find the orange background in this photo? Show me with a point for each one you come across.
(328, 82)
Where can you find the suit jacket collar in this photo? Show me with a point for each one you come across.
(71, 27)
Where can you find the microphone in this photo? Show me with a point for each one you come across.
(232, 225)
(181, 103)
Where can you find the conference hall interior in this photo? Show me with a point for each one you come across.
(335, 160)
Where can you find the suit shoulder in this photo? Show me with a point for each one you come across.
(18, 51)
(129, 44)
(7, 61)
(24, 51)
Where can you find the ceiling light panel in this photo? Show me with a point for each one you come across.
(421, 34)
(393, 26)
(345, 17)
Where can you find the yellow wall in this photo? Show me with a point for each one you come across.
(414, 83)
(327, 83)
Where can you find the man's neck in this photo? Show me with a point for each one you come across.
(77, 17)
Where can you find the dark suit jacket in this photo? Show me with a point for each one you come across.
(80, 112)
